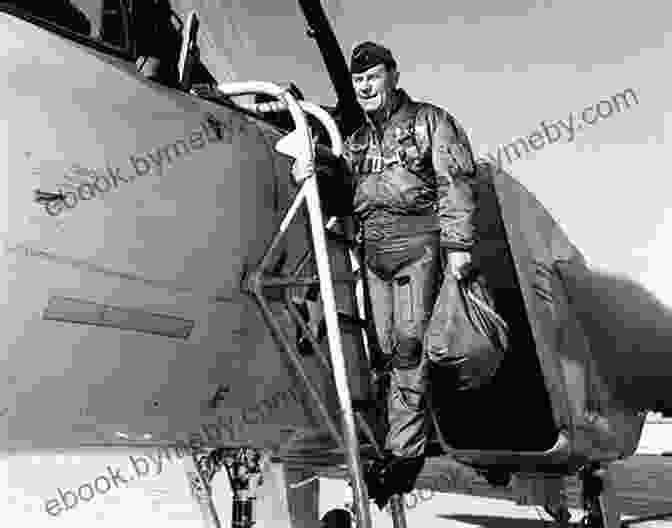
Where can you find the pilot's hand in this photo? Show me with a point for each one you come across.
(459, 263)
(297, 173)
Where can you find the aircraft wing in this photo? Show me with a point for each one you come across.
(628, 329)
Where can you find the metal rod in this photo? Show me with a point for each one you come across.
(324, 118)
(303, 261)
(205, 502)
(336, 351)
(311, 108)
(282, 93)
(280, 233)
(308, 334)
(284, 343)
(309, 190)
(304, 482)
(369, 434)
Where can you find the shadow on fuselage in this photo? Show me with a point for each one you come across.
(499, 415)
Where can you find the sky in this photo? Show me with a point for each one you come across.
(500, 68)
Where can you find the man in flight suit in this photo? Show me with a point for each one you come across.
(412, 165)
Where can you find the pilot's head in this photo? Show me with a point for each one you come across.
(374, 76)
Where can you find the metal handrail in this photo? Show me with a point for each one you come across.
(305, 158)
(315, 110)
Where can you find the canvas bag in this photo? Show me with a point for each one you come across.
(465, 333)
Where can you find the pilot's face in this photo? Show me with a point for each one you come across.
(374, 87)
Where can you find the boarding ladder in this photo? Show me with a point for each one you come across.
(265, 286)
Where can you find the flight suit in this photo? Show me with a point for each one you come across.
(413, 201)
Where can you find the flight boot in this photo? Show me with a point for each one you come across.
(408, 429)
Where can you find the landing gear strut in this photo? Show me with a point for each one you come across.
(599, 499)
(243, 467)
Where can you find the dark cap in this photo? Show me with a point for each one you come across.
(336, 518)
(369, 54)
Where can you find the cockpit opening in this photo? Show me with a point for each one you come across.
(105, 22)
(148, 32)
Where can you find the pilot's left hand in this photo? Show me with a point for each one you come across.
(458, 263)
(297, 171)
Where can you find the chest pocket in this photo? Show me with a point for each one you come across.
(400, 148)
(406, 149)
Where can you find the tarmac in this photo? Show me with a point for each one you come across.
(643, 485)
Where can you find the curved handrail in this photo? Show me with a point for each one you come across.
(311, 108)
(260, 87)
(300, 146)
(332, 129)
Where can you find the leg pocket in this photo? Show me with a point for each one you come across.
(403, 298)
(408, 388)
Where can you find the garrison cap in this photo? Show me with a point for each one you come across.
(369, 54)
(336, 518)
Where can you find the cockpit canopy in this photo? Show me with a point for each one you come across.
(146, 31)
(106, 22)
(251, 40)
